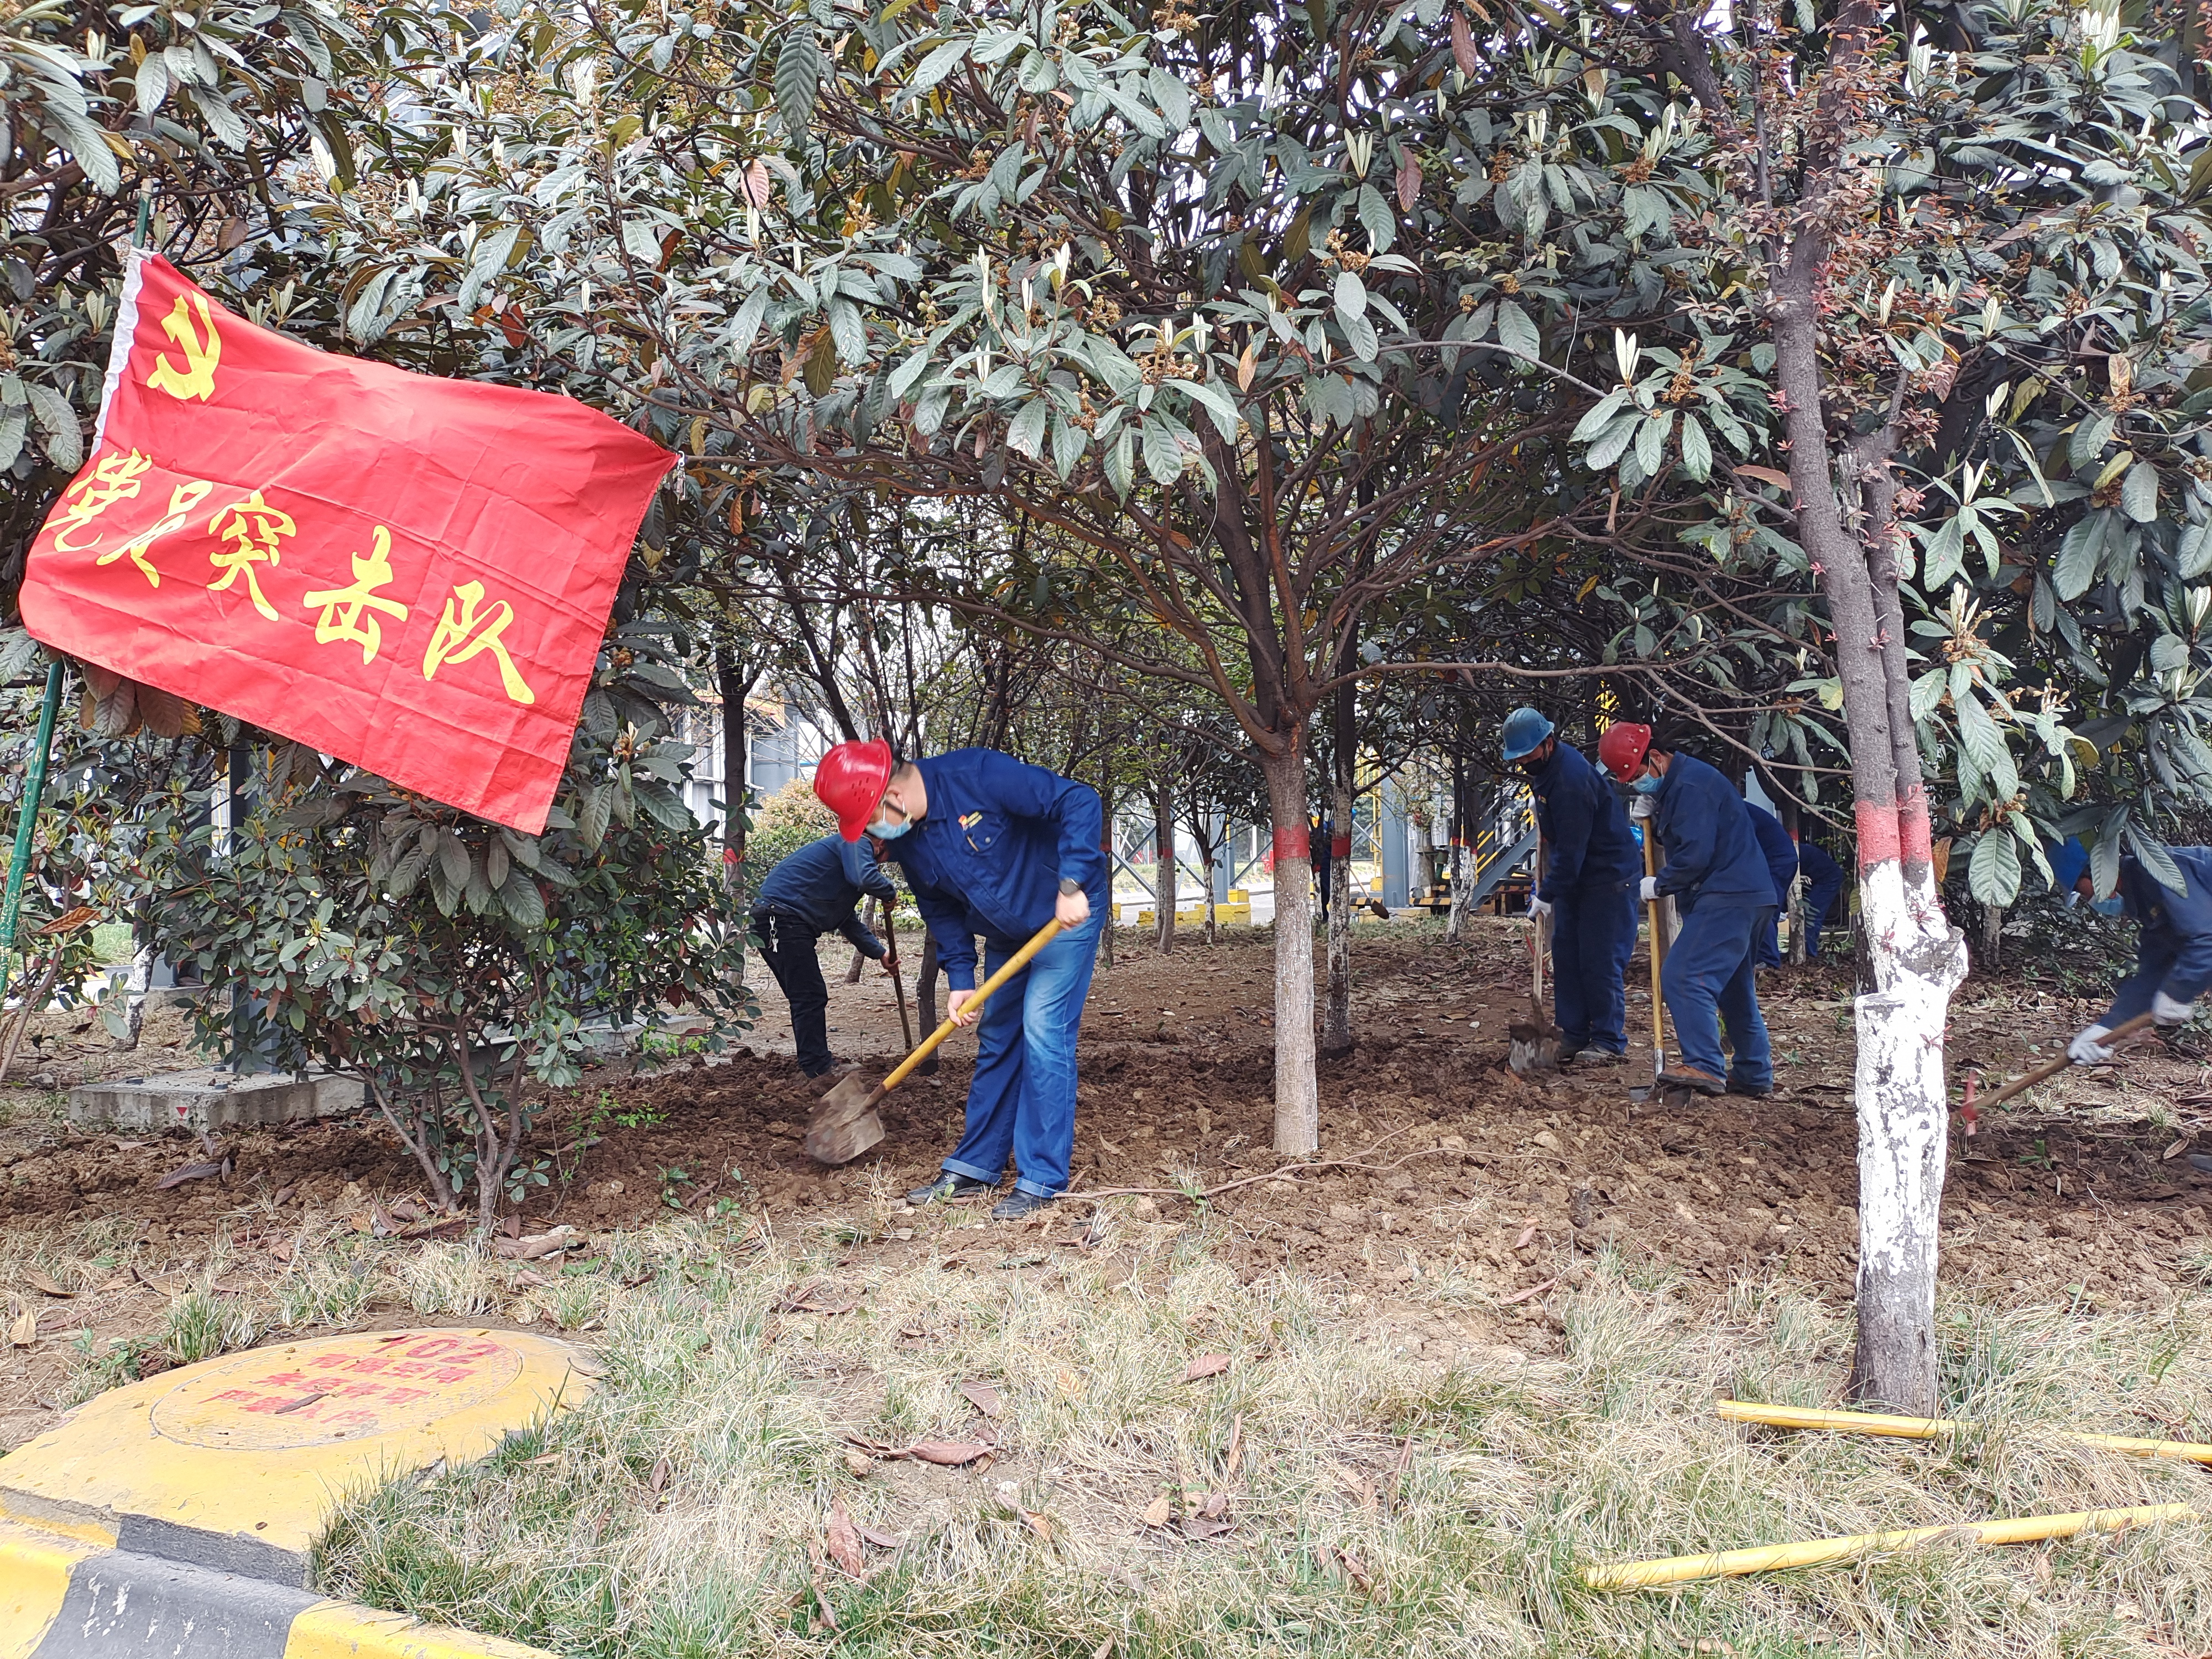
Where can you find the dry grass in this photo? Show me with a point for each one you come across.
(685, 1511)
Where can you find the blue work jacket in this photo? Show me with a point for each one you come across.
(1776, 848)
(2173, 953)
(821, 882)
(1712, 852)
(988, 855)
(1587, 840)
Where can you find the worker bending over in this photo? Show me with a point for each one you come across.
(1718, 879)
(2174, 952)
(995, 848)
(1824, 885)
(1780, 853)
(1592, 858)
(809, 893)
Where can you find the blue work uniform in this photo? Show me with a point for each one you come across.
(1719, 879)
(1781, 855)
(1824, 885)
(809, 893)
(986, 860)
(1592, 862)
(2173, 952)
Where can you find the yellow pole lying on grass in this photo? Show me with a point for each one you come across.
(1931, 1428)
(1812, 1552)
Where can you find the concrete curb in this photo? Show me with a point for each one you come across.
(64, 1597)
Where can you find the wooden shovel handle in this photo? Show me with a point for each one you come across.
(1658, 949)
(2045, 1073)
(1013, 965)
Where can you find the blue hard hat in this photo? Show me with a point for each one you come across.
(1525, 729)
(2069, 858)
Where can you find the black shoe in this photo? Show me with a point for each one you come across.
(949, 1185)
(1018, 1204)
(1585, 1059)
(2201, 1161)
(1737, 1086)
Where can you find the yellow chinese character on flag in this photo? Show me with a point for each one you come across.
(114, 479)
(196, 378)
(182, 500)
(256, 531)
(342, 607)
(463, 626)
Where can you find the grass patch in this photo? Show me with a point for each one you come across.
(1376, 1506)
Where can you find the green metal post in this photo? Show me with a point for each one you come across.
(34, 788)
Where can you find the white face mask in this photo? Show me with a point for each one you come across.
(885, 831)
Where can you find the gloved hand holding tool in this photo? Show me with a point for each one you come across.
(2091, 1046)
(845, 1124)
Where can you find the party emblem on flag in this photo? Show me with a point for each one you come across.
(410, 573)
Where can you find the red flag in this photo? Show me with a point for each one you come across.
(411, 573)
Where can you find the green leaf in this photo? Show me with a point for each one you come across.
(1599, 415)
(57, 421)
(1651, 440)
(2139, 492)
(1993, 876)
(2080, 553)
(2089, 441)
(798, 78)
(1697, 449)
(1350, 296)
(1026, 432)
(1517, 334)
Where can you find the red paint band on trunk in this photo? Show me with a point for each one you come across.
(1878, 835)
(1295, 841)
(1916, 844)
(1339, 847)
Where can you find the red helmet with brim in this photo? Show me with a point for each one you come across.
(850, 782)
(1622, 748)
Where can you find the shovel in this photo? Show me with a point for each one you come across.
(2051, 1069)
(1658, 961)
(1537, 1045)
(898, 985)
(846, 1125)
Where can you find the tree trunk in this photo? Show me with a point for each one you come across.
(1164, 885)
(1915, 956)
(1993, 920)
(1336, 1039)
(870, 918)
(924, 995)
(1297, 1103)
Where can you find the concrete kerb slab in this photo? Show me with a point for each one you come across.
(211, 1098)
(190, 1502)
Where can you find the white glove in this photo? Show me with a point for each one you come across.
(1647, 889)
(2089, 1048)
(1538, 907)
(2165, 1010)
(1641, 806)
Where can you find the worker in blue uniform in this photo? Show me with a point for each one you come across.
(1721, 884)
(2173, 950)
(1591, 857)
(994, 848)
(809, 893)
(1780, 852)
(1824, 885)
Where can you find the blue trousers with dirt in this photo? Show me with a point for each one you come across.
(1592, 935)
(1708, 982)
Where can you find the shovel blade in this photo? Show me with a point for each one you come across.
(1534, 1050)
(843, 1141)
(845, 1124)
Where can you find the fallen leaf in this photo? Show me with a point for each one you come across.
(1527, 1233)
(1216, 1505)
(1104, 1650)
(1197, 1526)
(1158, 1511)
(527, 1281)
(1037, 1524)
(25, 1330)
(379, 1223)
(406, 1209)
(844, 1543)
(1523, 1296)
(281, 1250)
(949, 1454)
(2177, 1148)
(199, 1172)
(39, 1281)
(549, 1457)
(983, 1397)
(658, 1480)
(882, 1540)
(1206, 1365)
(859, 1464)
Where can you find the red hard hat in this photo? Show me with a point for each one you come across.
(850, 782)
(1622, 748)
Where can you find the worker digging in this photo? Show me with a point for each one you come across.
(996, 848)
(1715, 875)
(1590, 861)
(813, 891)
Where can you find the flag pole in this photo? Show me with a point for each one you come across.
(34, 781)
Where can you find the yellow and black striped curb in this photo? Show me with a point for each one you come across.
(66, 1598)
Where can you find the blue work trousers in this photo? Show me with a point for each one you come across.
(1707, 980)
(1592, 935)
(1821, 893)
(1022, 1102)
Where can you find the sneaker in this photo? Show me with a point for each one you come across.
(1690, 1078)
(949, 1185)
(1016, 1205)
(1749, 1091)
(1586, 1058)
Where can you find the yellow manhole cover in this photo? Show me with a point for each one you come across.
(276, 1399)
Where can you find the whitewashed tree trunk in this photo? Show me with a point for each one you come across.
(1297, 1103)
